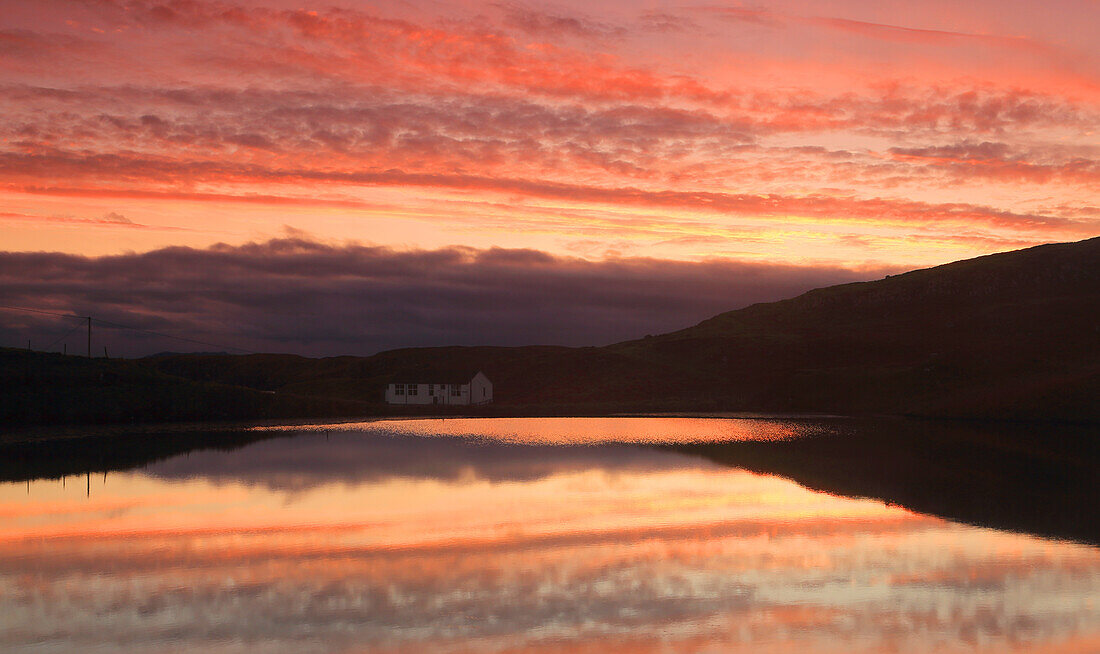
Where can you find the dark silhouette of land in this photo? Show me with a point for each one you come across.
(1038, 479)
(1011, 336)
(59, 455)
(45, 388)
(1008, 344)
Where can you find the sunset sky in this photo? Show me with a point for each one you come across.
(461, 150)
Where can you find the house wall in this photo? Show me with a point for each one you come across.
(463, 396)
(422, 395)
(481, 389)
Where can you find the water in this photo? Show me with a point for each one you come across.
(552, 535)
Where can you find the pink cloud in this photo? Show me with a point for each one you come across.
(261, 102)
(110, 219)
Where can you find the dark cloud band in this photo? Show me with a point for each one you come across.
(297, 295)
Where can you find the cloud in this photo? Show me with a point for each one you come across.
(928, 36)
(298, 295)
(351, 45)
(547, 24)
(185, 196)
(108, 220)
(681, 559)
(1001, 161)
(30, 46)
(882, 31)
(366, 127)
(549, 110)
(153, 138)
(665, 22)
(751, 15)
(377, 455)
(825, 207)
(116, 218)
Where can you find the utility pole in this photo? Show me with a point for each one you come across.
(89, 337)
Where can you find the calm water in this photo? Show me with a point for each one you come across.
(545, 535)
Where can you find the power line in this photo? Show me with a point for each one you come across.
(48, 313)
(121, 326)
(50, 346)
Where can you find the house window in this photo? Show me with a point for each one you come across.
(398, 389)
(431, 389)
(413, 388)
(454, 390)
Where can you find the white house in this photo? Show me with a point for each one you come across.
(445, 389)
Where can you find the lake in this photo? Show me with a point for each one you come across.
(503, 535)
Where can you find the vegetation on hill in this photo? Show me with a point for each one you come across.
(44, 388)
(1012, 335)
(1007, 336)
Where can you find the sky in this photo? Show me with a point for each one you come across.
(734, 152)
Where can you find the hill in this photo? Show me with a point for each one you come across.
(1014, 335)
(45, 388)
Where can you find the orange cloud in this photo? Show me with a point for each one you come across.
(559, 111)
(835, 208)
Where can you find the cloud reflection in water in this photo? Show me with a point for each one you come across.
(403, 543)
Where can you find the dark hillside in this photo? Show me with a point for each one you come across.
(1013, 335)
(521, 375)
(45, 388)
(1008, 335)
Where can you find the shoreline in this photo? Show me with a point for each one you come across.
(33, 433)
